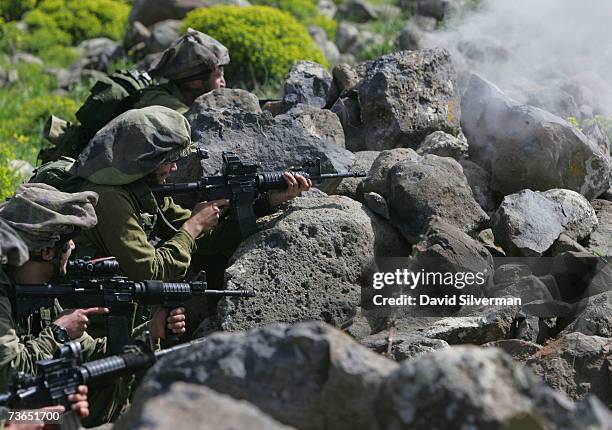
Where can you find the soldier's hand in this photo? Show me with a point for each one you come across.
(204, 217)
(295, 185)
(76, 321)
(78, 401)
(174, 321)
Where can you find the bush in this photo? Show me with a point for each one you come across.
(13, 9)
(263, 42)
(69, 22)
(8, 179)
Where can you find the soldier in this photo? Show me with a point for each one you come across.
(193, 66)
(45, 220)
(137, 149)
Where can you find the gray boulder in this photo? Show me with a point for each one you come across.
(309, 84)
(329, 48)
(356, 11)
(276, 142)
(197, 407)
(443, 145)
(376, 181)
(576, 364)
(347, 37)
(447, 249)
(348, 110)
(377, 204)
(600, 240)
(579, 275)
(149, 12)
(519, 350)
(428, 186)
(225, 98)
(96, 54)
(565, 244)
(163, 34)
(480, 183)
(345, 77)
(438, 9)
(401, 110)
(526, 147)
(528, 223)
(595, 318)
(353, 187)
(306, 265)
(401, 346)
(470, 388)
(414, 37)
(554, 101)
(580, 218)
(308, 375)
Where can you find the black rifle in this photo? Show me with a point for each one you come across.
(59, 377)
(242, 183)
(117, 294)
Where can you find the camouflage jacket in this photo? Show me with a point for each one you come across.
(167, 95)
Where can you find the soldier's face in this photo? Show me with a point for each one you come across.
(163, 172)
(217, 80)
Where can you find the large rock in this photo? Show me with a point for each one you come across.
(349, 112)
(307, 265)
(576, 364)
(595, 318)
(419, 189)
(149, 12)
(309, 84)
(526, 147)
(528, 223)
(97, 54)
(480, 183)
(226, 98)
(600, 240)
(472, 388)
(353, 187)
(580, 218)
(163, 34)
(329, 48)
(409, 95)
(376, 181)
(437, 8)
(447, 249)
(276, 142)
(356, 11)
(197, 407)
(443, 145)
(309, 375)
(401, 346)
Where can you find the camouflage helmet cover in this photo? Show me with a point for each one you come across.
(192, 54)
(13, 249)
(135, 144)
(41, 214)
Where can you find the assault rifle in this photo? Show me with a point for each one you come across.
(242, 183)
(58, 377)
(117, 294)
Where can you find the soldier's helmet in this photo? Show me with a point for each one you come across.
(44, 216)
(135, 144)
(191, 56)
(13, 249)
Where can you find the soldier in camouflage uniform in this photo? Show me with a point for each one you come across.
(193, 65)
(135, 150)
(42, 220)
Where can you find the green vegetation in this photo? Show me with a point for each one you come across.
(306, 11)
(264, 42)
(13, 9)
(389, 29)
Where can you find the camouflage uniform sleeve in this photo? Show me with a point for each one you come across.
(18, 356)
(157, 96)
(119, 233)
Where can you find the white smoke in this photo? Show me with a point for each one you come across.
(561, 46)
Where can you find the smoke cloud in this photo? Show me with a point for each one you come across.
(552, 53)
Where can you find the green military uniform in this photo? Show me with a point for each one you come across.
(167, 95)
(34, 219)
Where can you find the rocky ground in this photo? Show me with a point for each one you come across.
(463, 175)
